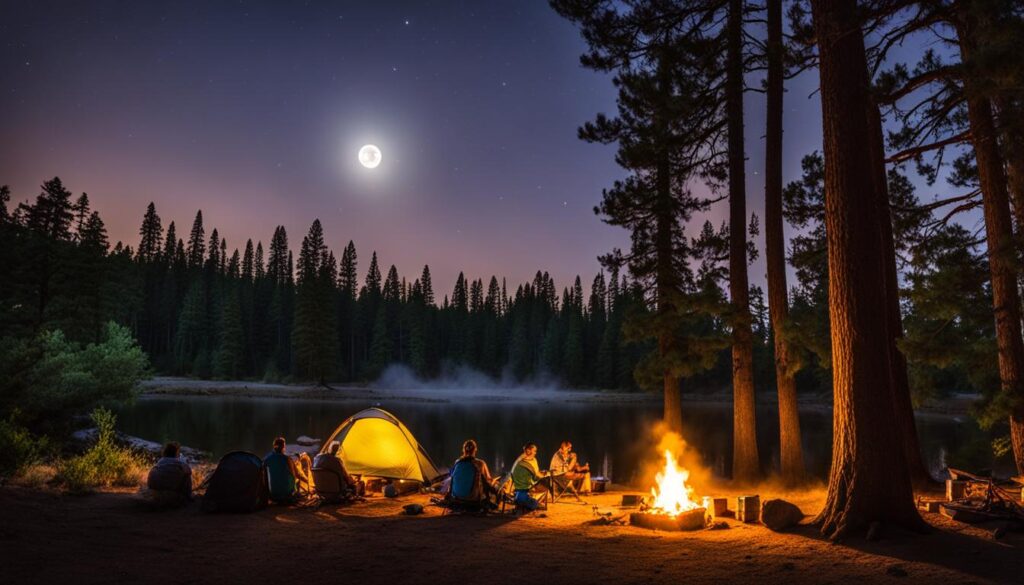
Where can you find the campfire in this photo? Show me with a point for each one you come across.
(673, 505)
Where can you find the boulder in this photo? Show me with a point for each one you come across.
(779, 515)
(85, 438)
(307, 441)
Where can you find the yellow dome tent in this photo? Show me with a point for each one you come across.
(374, 443)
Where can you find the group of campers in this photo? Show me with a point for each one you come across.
(471, 484)
(290, 477)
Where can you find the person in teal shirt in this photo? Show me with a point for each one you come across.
(285, 473)
(525, 475)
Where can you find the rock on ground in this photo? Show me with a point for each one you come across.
(779, 515)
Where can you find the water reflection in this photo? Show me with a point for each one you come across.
(613, 438)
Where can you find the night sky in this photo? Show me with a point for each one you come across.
(254, 113)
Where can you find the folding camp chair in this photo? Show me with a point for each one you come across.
(329, 488)
(560, 486)
(457, 482)
(507, 499)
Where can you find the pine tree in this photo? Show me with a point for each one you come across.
(247, 262)
(258, 270)
(373, 279)
(150, 236)
(52, 214)
(277, 261)
(791, 462)
(347, 316)
(314, 337)
(170, 242)
(5, 198)
(666, 123)
(80, 209)
(426, 286)
(230, 359)
(197, 243)
(869, 481)
(213, 262)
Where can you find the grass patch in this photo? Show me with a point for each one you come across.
(105, 464)
(20, 450)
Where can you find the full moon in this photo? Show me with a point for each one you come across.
(369, 156)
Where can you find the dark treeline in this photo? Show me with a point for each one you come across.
(258, 312)
(200, 308)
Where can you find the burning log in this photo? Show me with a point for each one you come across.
(694, 519)
(673, 505)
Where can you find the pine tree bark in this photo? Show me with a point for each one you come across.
(902, 403)
(791, 459)
(745, 465)
(869, 481)
(666, 278)
(999, 239)
(1009, 114)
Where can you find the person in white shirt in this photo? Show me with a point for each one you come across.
(566, 467)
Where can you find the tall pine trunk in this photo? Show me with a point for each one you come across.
(666, 278)
(902, 403)
(791, 459)
(999, 239)
(1013, 148)
(869, 481)
(744, 461)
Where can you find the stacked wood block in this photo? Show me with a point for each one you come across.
(748, 509)
(956, 489)
(717, 507)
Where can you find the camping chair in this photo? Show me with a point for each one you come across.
(465, 479)
(507, 498)
(504, 494)
(330, 488)
(561, 485)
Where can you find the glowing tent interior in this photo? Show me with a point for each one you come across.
(374, 443)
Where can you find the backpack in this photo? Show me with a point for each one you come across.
(238, 484)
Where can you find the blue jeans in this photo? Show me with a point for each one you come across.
(525, 500)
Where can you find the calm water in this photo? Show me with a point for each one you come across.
(610, 437)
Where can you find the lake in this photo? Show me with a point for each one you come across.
(612, 437)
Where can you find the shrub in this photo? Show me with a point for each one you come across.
(105, 463)
(20, 450)
(50, 379)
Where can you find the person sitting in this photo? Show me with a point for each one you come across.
(331, 462)
(287, 475)
(171, 475)
(471, 480)
(566, 468)
(526, 477)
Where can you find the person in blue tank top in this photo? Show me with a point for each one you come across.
(286, 474)
(470, 478)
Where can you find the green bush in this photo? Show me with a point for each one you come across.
(105, 463)
(51, 379)
(20, 450)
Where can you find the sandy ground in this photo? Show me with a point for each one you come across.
(49, 537)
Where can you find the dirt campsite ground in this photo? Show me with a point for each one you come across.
(50, 537)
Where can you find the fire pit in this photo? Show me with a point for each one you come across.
(673, 506)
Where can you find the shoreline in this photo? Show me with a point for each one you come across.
(161, 386)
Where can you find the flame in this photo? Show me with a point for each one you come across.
(672, 496)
